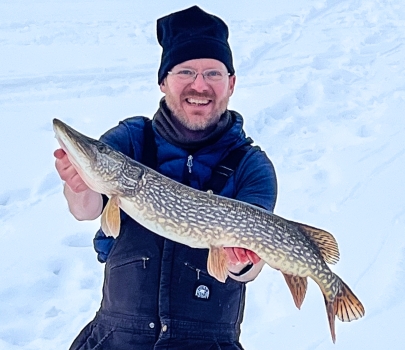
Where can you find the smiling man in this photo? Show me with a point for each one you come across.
(198, 100)
(157, 294)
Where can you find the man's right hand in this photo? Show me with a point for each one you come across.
(83, 202)
(68, 173)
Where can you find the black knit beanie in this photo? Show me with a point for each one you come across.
(189, 34)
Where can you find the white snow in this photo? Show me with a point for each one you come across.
(321, 84)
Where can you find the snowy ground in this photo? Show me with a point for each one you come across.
(322, 87)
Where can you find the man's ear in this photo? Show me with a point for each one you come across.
(163, 86)
(232, 82)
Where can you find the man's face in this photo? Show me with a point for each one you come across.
(198, 105)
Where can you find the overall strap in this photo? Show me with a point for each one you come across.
(224, 170)
(149, 153)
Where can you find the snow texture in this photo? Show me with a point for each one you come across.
(321, 84)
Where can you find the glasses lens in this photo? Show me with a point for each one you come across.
(185, 74)
(214, 75)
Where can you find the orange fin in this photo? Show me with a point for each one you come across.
(298, 288)
(330, 311)
(325, 242)
(217, 264)
(346, 306)
(111, 219)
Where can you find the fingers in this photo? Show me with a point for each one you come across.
(76, 183)
(253, 257)
(59, 153)
(68, 173)
(233, 259)
(241, 255)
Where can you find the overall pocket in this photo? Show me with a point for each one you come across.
(92, 337)
(131, 285)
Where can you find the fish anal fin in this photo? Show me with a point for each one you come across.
(298, 288)
(111, 219)
(324, 240)
(217, 264)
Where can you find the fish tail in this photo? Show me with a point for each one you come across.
(346, 306)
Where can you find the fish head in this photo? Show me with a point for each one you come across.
(98, 164)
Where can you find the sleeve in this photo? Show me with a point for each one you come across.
(118, 138)
(255, 183)
(255, 180)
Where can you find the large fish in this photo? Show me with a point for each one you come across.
(204, 220)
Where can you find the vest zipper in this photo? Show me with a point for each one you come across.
(189, 163)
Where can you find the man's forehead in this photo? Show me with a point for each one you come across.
(202, 63)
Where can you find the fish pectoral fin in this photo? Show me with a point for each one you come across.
(324, 240)
(298, 288)
(111, 219)
(217, 264)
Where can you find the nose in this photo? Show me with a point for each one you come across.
(199, 83)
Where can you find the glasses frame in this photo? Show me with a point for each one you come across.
(174, 74)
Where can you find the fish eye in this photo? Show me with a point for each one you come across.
(102, 148)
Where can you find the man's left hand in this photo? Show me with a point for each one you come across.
(241, 256)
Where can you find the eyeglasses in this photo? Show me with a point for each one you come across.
(209, 75)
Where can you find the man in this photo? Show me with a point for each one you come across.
(157, 294)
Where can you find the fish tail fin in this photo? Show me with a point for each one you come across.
(346, 306)
(330, 311)
(298, 288)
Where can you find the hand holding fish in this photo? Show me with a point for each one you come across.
(68, 173)
(241, 256)
(83, 202)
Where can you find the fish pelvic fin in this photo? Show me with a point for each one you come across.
(217, 264)
(346, 306)
(324, 240)
(298, 288)
(111, 219)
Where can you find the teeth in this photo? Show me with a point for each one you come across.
(197, 102)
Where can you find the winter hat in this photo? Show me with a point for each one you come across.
(189, 34)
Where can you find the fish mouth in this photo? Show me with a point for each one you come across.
(75, 144)
(81, 151)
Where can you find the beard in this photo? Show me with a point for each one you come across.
(200, 122)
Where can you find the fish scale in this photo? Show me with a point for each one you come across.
(204, 220)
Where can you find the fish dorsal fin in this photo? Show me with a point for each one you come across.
(110, 219)
(325, 242)
(217, 264)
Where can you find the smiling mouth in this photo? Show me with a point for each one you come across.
(197, 102)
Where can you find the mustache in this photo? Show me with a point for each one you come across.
(196, 95)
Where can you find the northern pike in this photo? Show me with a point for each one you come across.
(205, 220)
